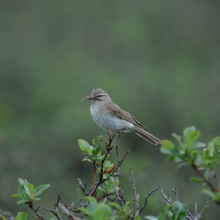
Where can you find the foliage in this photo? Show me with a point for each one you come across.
(105, 200)
(174, 211)
(27, 193)
(20, 216)
(204, 162)
(97, 211)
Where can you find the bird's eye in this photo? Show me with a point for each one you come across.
(100, 95)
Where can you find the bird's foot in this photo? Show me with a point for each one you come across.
(110, 132)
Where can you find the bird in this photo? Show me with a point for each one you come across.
(112, 118)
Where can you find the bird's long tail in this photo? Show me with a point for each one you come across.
(147, 136)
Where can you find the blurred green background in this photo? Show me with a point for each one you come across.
(158, 60)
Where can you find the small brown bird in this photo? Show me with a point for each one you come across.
(111, 117)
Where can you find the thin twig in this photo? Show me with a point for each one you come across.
(122, 160)
(67, 212)
(135, 193)
(102, 167)
(206, 206)
(55, 212)
(168, 201)
(71, 208)
(82, 187)
(195, 208)
(146, 199)
(117, 153)
(175, 193)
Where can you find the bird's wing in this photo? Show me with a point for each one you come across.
(116, 111)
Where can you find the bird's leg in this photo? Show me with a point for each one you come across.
(119, 135)
(111, 136)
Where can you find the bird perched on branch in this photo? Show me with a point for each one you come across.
(111, 117)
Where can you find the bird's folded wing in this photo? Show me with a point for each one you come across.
(120, 113)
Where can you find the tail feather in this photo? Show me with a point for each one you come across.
(147, 136)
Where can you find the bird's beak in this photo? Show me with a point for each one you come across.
(87, 97)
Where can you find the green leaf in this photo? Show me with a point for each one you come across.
(94, 154)
(102, 212)
(168, 145)
(193, 137)
(35, 199)
(163, 213)
(91, 199)
(188, 130)
(149, 217)
(178, 138)
(181, 164)
(3, 217)
(115, 206)
(127, 205)
(21, 191)
(29, 186)
(39, 189)
(25, 186)
(164, 151)
(210, 158)
(21, 181)
(107, 164)
(84, 146)
(170, 158)
(87, 159)
(197, 145)
(178, 210)
(196, 180)
(176, 153)
(17, 196)
(98, 149)
(91, 209)
(122, 213)
(209, 193)
(217, 197)
(98, 144)
(21, 216)
(23, 201)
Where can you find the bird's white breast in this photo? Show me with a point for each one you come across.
(106, 121)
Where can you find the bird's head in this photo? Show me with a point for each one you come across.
(98, 95)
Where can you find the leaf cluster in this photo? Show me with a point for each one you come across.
(27, 193)
(204, 162)
(105, 200)
(20, 216)
(174, 211)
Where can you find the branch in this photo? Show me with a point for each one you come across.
(175, 192)
(201, 174)
(167, 200)
(31, 206)
(199, 215)
(92, 193)
(135, 193)
(189, 215)
(146, 199)
(122, 160)
(55, 212)
(70, 208)
(67, 212)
